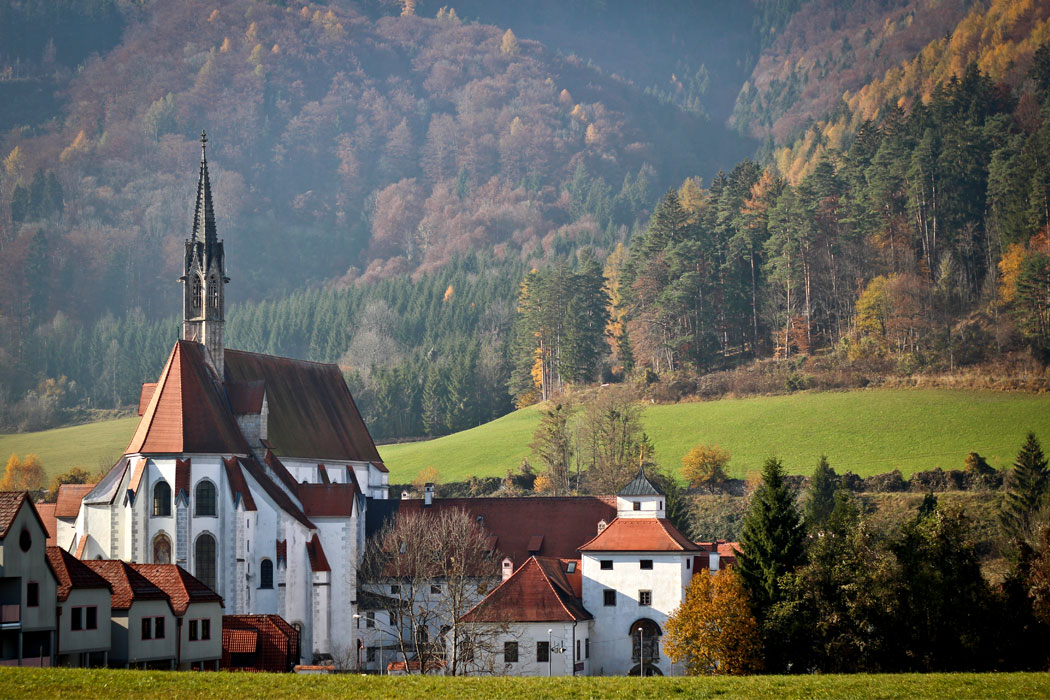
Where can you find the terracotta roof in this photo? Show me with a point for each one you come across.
(275, 492)
(188, 412)
(311, 411)
(182, 477)
(10, 503)
(246, 397)
(145, 395)
(238, 641)
(238, 486)
(67, 504)
(81, 545)
(640, 535)
(136, 474)
(565, 523)
(537, 592)
(127, 583)
(46, 511)
(318, 561)
(72, 573)
(181, 587)
(328, 500)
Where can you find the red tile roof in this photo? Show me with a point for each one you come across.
(188, 412)
(328, 500)
(640, 535)
(81, 546)
(275, 647)
(564, 523)
(318, 561)
(10, 503)
(311, 411)
(136, 474)
(280, 471)
(67, 504)
(537, 592)
(181, 587)
(323, 474)
(72, 573)
(145, 395)
(238, 486)
(46, 511)
(127, 583)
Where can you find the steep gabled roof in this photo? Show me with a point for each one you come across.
(563, 523)
(188, 411)
(127, 583)
(10, 503)
(180, 586)
(105, 490)
(238, 486)
(72, 573)
(67, 504)
(275, 492)
(311, 412)
(536, 592)
(640, 535)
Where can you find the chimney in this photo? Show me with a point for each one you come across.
(508, 568)
(404, 495)
(602, 525)
(428, 495)
(713, 562)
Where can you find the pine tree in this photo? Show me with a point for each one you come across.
(1027, 487)
(772, 541)
(820, 495)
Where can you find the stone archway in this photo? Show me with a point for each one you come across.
(645, 647)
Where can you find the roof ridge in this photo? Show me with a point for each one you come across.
(554, 590)
(290, 359)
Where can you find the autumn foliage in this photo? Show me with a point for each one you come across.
(713, 630)
(23, 475)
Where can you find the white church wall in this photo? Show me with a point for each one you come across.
(337, 537)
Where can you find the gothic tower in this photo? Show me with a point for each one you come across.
(204, 275)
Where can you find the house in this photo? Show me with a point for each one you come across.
(83, 599)
(248, 470)
(28, 586)
(259, 643)
(143, 631)
(198, 615)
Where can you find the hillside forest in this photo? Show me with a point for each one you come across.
(468, 219)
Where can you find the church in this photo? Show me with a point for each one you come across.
(248, 470)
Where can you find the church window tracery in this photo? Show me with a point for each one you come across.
(204, 499)
(204, 560)
(161, 499)
(198, 292)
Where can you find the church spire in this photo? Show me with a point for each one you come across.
(204, 274)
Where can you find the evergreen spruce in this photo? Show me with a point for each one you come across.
(820, 495)
(772, 541)
(1027, 485)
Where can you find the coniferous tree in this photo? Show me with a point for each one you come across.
(1027, 487)
(820, 495)
(772, 540)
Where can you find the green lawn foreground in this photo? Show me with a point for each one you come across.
(864, 431)
(78, 684)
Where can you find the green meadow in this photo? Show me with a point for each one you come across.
(867, 432)
(79, 684)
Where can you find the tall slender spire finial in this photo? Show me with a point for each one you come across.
(204, 145)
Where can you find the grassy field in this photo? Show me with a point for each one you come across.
(88, 446)
(78, 684)
(866, 432)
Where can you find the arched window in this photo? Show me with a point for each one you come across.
(266, 574)
(204, 498)
(198, 292)
(161, 550)
(204, 560)
(161, 499)
(214, 293)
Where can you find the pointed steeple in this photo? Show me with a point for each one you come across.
(204, 213)
(204, 274)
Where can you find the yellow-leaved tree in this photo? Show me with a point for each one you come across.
(705, 466)
(23, 475)
(713, 630)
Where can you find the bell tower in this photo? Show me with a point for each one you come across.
(204, 275)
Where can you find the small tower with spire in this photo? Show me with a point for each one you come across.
(204, 275)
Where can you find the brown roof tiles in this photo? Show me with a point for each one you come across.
(238, 486)
(273, 641)
(180, 586)
(318, 561)
(128, 584)
(67, 504)
(10, 503)
(538, 591)
(328, 500)
(46, 511)
(72, 573)
(640, 535)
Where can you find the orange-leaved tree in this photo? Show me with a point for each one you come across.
(22, 475)
(705, 466)
(713, 630)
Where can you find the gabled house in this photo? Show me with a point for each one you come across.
(259, 643)
(143, 632)
(84, 632)
(198, 615)
(28, 586)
